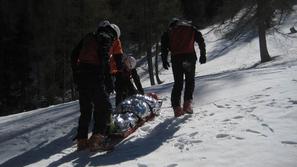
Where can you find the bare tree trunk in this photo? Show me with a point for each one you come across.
(262, 30)
(148, 40)
(156, 64)
(263, 45)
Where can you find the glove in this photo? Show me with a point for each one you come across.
(166, 65)
(109, 88)
(202, 59)
(141, 91)
(108, 83)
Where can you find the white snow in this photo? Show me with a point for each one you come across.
(245, 114)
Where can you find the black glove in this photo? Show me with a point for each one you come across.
(166, 65)
(202, 59)
(109, 88)
(140, 91)
(108, 82)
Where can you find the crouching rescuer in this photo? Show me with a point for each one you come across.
(179, 39)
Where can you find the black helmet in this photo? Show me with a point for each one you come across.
(106, 26)
(173, 22)
(103, 24)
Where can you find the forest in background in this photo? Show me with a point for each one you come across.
(38, 37)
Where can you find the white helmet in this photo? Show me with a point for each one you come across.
(117, 29)
(130, 62)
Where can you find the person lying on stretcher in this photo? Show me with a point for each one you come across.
(133, 112)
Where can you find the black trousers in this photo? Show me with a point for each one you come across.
(183, 66)
(94, 101)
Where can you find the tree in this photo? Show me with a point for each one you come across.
(38, 36)
(156, 64)
(240, 19)
(142, 24)
(35, 49)
(249, 16)
(202, 13)
(148, 38)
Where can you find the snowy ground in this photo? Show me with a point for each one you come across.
(244, 115)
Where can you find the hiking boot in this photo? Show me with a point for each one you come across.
(178, 111)
(96, 142)
(187, 107)
(82, 144)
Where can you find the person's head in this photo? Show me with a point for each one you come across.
(129, 62)
(107, 27)
(173, 22)
(179, 22)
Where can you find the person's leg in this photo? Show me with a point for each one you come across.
(85, 104)
(178, 82)
(119, 90)
(85, 114)
(102, 111)
(102, 118)
(131, 90)
(177, 87)
(189, 69)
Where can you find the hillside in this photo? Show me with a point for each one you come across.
(244, 115)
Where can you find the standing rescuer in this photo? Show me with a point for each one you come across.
(179, 39)
(90, 65)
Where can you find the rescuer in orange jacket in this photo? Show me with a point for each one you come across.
(90, 66)
(179, 40)
(123, 75)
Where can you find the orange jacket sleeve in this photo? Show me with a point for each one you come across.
(115, 51)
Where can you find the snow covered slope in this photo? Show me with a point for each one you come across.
(244, 115)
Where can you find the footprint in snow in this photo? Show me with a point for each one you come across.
(193, 134)
(256, 132)
(185, 144)
(253, 131)
(257, 97)
(180, 146)
(271, 104)
(267, 88)
(141, 165)
(293, 101)
(172, 165)
(226, 120)
(250, 109)
(218, 106)
(265, 125)
(238, 138)
(238, 117)
(257, 118)
(222, 135)
(289, 142)
(211, 114)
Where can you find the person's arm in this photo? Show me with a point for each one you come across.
(117, 54)
(105, 43)
(137, 82)
(199, 39)
(165, 49)
(74, 60)
(118, 58)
